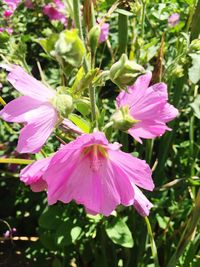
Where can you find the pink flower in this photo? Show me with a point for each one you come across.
(34, 109)
(33, 174)
(8, 30)
(28, 4)
(104, 31)
(56, 11)
(7, 13)
(97, 175)
(12, 4)
(174, 19)
(148, 106)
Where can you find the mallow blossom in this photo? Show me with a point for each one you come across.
(56, 11)
(34, 109)
(104, 31)
(94, 173)
(148, 107)
(174, 19)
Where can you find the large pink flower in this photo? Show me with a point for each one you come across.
(148, 106)
(98, 175)
(34, 109)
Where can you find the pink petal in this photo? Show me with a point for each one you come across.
(137, 170)
(168, 113)
(33, 173)
(148, 129)
(28, 85)
(38, 129)
(139, 86)
(20, 109)
(141, 203)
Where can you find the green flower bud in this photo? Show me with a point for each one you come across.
(63, 103)
(94, 37)
(195, 45)
(122, 120)
(178, 71)
(124, 72)
(70, 47)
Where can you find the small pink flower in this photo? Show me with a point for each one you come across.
(149, 106)
(8, 30)
(12, 4)
(33, 174)
(7, 13)
(104, 31)
(174, 19)
(56, 11)
(95, 174)
(29, 4)
(34, 109)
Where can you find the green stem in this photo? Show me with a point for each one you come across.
(188, 234)
(143, 17)
(153, 245)
(77, 17)
(16, 161)
(2, 101)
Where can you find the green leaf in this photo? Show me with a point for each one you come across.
(50, 218)
(119, 233)
(47, 240)
(196, 106)
(57, 263)
(83, 106)
(48, 44)
(194, 71)
(81, 123)
(67, 233)
(83, 81)
(70, 47)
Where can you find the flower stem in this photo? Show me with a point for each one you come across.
(77, 17)
(16, 161)
(153, 245)
(188, 234)
(2, 101)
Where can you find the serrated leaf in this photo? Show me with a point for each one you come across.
(119, 233)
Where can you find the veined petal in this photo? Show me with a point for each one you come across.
(28, 85)
(148, 129)
(18, 110)
(141, 203)
(137, 170)
(140, 85)
(38, 129)
(33, 174)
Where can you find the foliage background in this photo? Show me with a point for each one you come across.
(67, 236)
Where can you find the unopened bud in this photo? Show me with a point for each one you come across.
(94, 37)
(63, 103)
(122, 120)
(195, 45)
(124, 72)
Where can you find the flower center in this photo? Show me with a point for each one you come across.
(96, 154)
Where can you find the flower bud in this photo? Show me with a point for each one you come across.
(195, 45)
(124, 72)
(94, 37)
(122, 120)
(63, 103)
